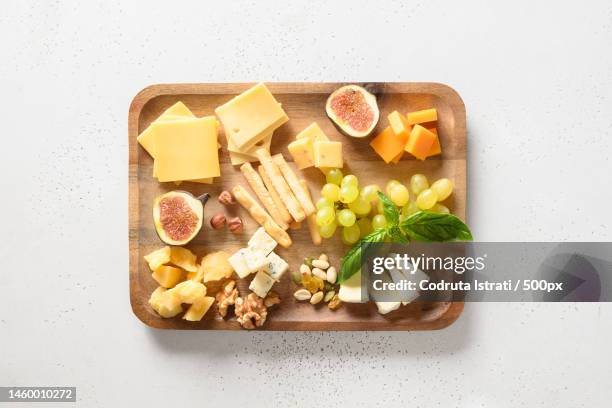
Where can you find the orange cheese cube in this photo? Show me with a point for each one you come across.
(420, 142)
(435, 149)
(387, 145)
(422, 116)
(397, 158)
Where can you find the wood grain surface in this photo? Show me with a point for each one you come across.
(304, 103)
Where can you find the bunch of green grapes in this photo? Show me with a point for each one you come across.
(359, 211)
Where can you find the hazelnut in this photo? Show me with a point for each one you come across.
(218, 221)
(235, 225)
(226, 198)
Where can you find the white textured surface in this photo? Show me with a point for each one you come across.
(535, 77)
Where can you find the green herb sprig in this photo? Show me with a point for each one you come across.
(424, 226)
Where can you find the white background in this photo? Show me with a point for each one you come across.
(536, 78)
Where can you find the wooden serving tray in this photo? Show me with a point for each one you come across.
(304, 104)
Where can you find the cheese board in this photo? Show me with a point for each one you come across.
(304, 103)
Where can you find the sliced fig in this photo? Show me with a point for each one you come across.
(178, 216)
(353, 110)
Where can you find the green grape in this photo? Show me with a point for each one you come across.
(370, 193)
(360, 206)
(439, 208)
(350, 180)
(365, 226)
(390, 183)
(327, 231)
(325, 216)
(348, 194)
(379, 221)
(426, 199)
(351, 234)
(399, 194)
(409, 209)
(418, 183)
(324, 202)
(346, 217)
(443, 188)
(334, 176)
(331, 192)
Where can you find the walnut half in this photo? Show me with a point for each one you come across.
(251, 311)
(226, 297)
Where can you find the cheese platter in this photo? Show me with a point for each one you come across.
(245, 199)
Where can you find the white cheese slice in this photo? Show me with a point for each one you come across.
(276, 266)
(350, 290)
(261, 284)
(262, 241)
(386, 307)
(239, 264)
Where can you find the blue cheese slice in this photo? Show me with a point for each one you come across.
(262, 241)
(239, 264)
(276, 266)
(261, 284)
(255, 259)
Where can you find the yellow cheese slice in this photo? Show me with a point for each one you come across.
(265, 143)
(251, 116)
(314, 132)
(175, 112)
(186, 149)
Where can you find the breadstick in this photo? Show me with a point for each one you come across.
(301, 195)
(264, 196)
(281, 186)
(312, 220)
(261, 216)
(279, 203)
(295, 225)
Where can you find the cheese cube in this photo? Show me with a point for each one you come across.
(435, 149)
(198, 309)
(422, 116)
(255, 259)
(277, 266)
(250, 116)
(239, 264)
(302, 152)
(386, 307)
(261, 284)
(399, 125)
(313, 132)
(328, 154)
(175, 112)
(186, 149)
(262, 242)
(387, 145)
(420, 142)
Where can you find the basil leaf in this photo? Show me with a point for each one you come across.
(397, 235)
(434, 227)
(351, 262)
(390, 210)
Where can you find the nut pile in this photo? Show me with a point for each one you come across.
(317, 278)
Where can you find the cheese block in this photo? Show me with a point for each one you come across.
(277, 266)
(198, 309)
(350, 290)
(435, 149)
(251, 116)
(399, 125)
(302, 152)
(261, 284)
(186, 149)
(262, 242)
(238, 262)
(255, 260)
(387, 145)
(422, 116)
(265, 143)
(420, 142)
(328, 154)
(174, 112)
(313, 132)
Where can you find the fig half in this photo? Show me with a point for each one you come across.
(353, 110)
(178, 216)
